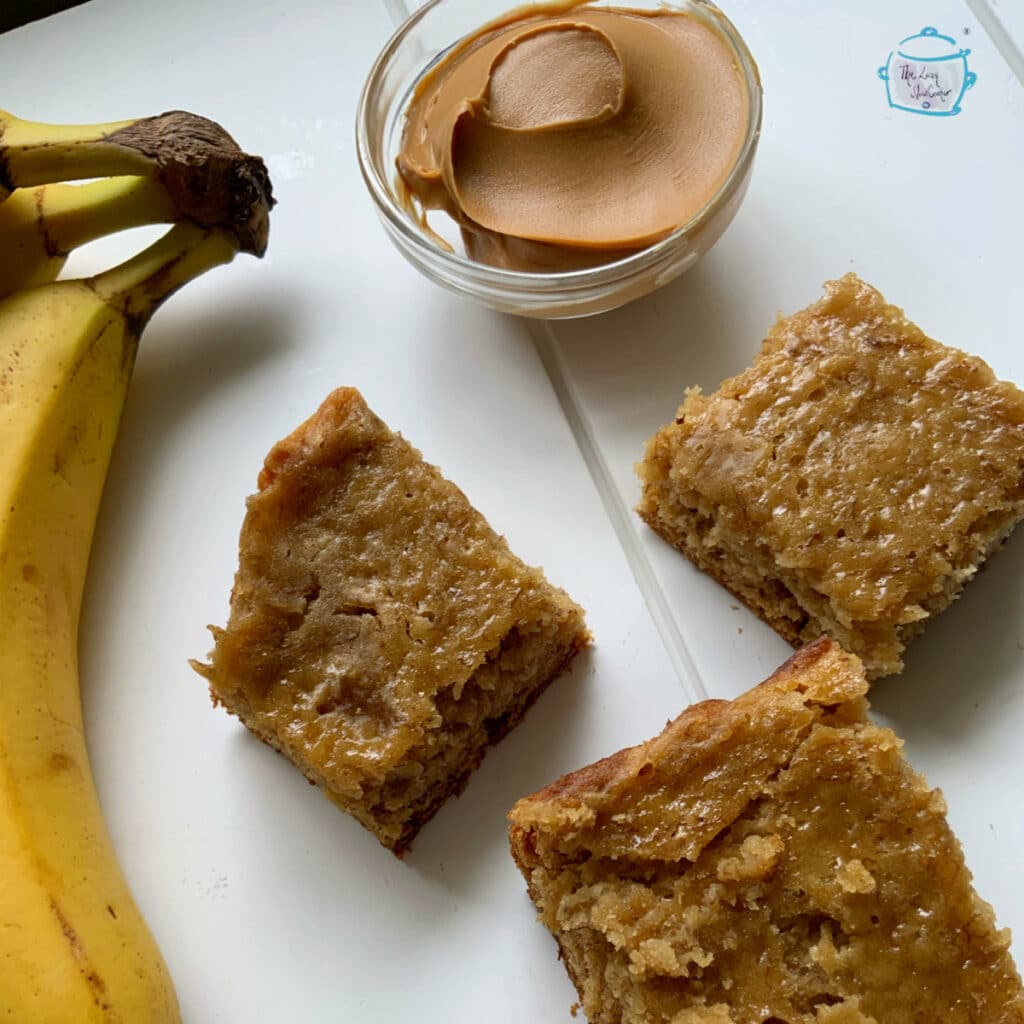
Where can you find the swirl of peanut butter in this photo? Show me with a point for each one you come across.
(569, 135)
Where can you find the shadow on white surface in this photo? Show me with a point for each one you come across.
(635, 363)
(460, 846)
(185, 361)
(965, 668)
(629, 371)
(958, 707)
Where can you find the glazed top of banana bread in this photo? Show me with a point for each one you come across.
(773, 856)
(366, 585)
(866, 456)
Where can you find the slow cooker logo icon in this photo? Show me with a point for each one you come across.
(927, 74)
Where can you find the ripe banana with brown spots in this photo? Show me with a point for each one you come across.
(74, 948)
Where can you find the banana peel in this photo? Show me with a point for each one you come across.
(40, 226)
(74, 948)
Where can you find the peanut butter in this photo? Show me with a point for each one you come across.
(569, 135)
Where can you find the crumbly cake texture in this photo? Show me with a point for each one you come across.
(769, 860)
(850, 482)
(381, 634)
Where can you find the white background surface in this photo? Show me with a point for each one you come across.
(268, 904)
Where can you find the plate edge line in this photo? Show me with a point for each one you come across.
(999, 36)
(549, 352)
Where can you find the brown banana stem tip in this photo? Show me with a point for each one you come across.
(207, 175)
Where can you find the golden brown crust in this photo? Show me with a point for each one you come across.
(781, 708)
(693, 725)
(382, 635)
(400, 843)
(782, 614)
(342, 426)
(850, 482)
(768, 857)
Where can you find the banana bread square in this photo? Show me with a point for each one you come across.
(381, 634)
(850, 482)
(769, 859)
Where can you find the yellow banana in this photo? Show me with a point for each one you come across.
(73, 947)
(207, 176)
(40, 226)
(33, 153)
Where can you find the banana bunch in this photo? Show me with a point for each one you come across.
(74, 948)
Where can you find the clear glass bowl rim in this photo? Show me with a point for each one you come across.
(513, 281)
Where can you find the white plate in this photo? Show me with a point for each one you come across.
(268, 904)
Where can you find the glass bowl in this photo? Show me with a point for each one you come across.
(416, 47)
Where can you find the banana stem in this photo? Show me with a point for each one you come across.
(139, 285)
(75, 214)
(207, 176)
(35, 154)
